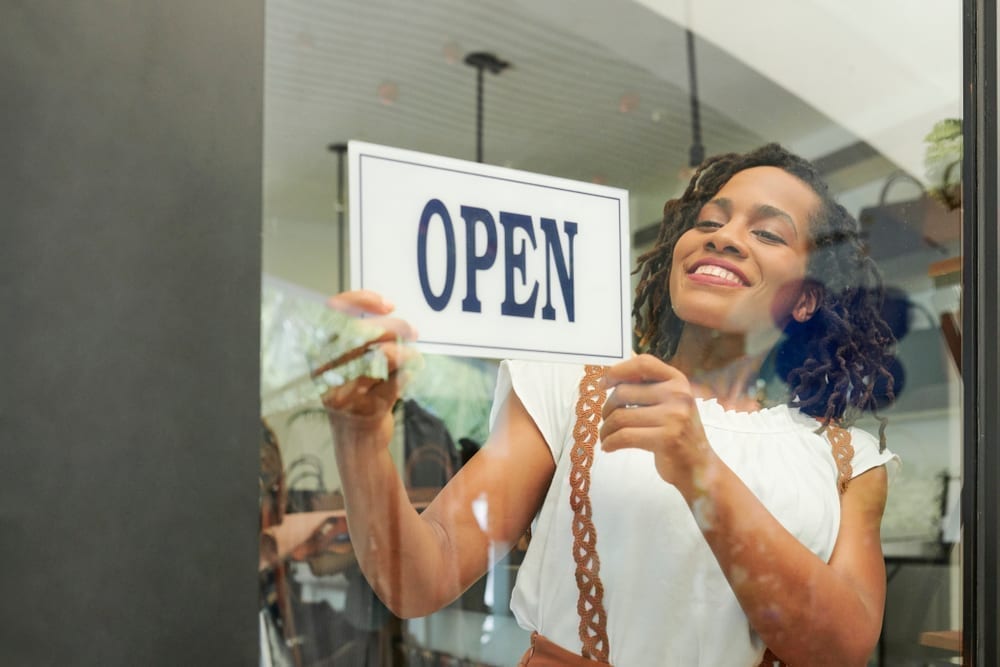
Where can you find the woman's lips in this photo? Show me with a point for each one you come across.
(710, 273)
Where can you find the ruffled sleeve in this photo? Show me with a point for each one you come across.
(868, 456)
(548, 392)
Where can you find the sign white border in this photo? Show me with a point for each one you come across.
(362, 154)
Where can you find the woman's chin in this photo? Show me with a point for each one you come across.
(720, 322)
(716, 325)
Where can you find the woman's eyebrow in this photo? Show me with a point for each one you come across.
(759, 211)
(725, 204)
(768, 211)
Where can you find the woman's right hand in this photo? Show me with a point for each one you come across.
(365, 403)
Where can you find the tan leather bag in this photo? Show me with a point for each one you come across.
(544, 653)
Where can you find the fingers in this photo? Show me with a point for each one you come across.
(633, 395)
(649, 427)
(364, 334)
(649, 406)
(644, 368)
(629, 418)
(392, 328)
(400, 356)
(360, 302)
(628, 438)
(367, 396)
(367, 302)
(364, 397)
(640, 381)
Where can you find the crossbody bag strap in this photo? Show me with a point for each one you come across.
(843, 453)
(590, 604)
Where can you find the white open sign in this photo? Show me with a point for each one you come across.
(492, 262)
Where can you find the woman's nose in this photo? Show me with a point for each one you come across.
(725, 240)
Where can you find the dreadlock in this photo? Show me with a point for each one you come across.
(834, 362)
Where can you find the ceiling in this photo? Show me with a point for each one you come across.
(596, 91)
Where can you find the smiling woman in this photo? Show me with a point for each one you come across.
(785, 260)
(730, 509)
(747, 254)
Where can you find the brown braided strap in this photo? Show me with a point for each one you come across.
(590, 605)
(843, 452)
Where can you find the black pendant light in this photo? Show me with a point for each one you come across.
(482, 61)
(696, 154)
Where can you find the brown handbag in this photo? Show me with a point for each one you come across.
(545, 653)
(590, 605)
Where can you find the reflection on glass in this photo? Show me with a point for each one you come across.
(721, 530)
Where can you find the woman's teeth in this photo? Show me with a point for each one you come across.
(718, 272)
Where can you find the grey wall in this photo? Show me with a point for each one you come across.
(129, 285)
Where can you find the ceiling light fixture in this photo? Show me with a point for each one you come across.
(482, 60)
(696, 154)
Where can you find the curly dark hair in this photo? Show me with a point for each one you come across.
(836, 364)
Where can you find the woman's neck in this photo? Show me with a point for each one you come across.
(724, 366)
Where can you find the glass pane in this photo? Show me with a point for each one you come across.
(633, 95)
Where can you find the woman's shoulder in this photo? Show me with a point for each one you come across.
(865, 450)
(869, 453)
(547, 390)
(540, 382)
(548, 372)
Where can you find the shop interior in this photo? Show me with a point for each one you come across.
(627, 94)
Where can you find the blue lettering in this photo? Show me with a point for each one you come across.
(432, 208)
(515, 261)
(554, 251)
(474, 262)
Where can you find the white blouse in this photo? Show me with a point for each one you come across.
(667, 600)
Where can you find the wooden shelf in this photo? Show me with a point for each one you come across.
(946, 272)
(945, 267)
(949, 640)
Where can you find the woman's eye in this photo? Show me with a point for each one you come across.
(770, 237)
(707, 224)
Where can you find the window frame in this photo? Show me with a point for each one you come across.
(980, 353)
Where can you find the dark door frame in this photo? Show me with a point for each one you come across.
(980, 327)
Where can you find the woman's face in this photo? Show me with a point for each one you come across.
(741, 268)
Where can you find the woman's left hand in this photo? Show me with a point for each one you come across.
(651, 406)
